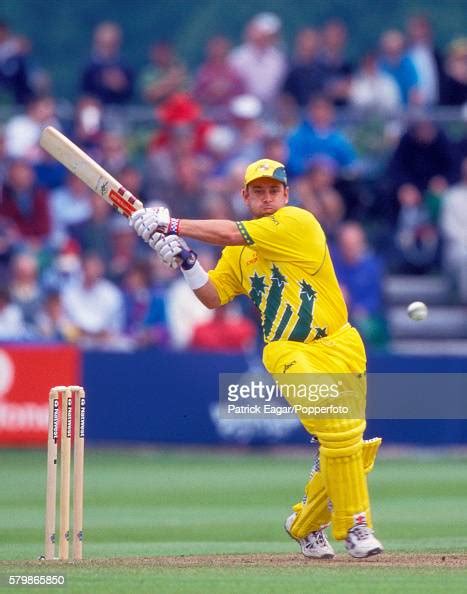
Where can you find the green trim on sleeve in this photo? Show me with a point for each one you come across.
(246, 236)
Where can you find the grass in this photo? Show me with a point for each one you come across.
(144, 503)
(261, 581)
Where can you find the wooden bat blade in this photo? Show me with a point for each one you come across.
(88, 171)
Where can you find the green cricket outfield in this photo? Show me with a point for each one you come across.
(197, 522)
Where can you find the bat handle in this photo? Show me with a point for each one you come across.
(187, 258)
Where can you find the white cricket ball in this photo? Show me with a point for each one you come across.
(417, 310)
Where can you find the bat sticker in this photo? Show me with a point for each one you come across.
(104, 188)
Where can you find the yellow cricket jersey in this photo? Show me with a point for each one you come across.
(287, 272)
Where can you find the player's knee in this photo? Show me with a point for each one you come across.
(342, 443)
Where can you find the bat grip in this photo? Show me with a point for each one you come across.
(187, 258)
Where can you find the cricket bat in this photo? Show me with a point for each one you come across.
(88, 171)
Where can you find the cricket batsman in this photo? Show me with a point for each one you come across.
(280, 259)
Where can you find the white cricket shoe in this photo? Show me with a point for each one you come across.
(361, 542)
(315, 544)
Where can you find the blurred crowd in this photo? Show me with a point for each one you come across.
(71, 269)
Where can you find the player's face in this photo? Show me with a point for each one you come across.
(265, 196)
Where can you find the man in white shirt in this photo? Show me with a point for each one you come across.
(23, 130)
(372, 89)
(95, 306)
(259, 62)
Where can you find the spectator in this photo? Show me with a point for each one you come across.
(164, 76)
(24, 203)
(93, 234)
(51, 322)
(69, 205)
(106, 76)
(245, 112)
(145, 315)
(113, 152)
(455, 85)
(123, 248)
(131, 178)
(184, 310)
(316, 193)
(307, 75)
(426, 58)
(49, 172)
(25, 289)
(372, 89)
(178, 178)
(9, 239)
(216, 207)
(338, 69)
(161, 276)
(181, 117)
(275, 148)
(188, 192)
(259, 62)
(433, 198)
(160, 168)
(88, 124)
(21, 141)
(237, 141)
(220, 150)
(416, 237)
(11, 319)
(317, 135)
(229, 331)
(22, 134)
(22, 131)
(360, 275)
(94, 306)
(424, 152)
(395, 62)
(13, 70)
(182, 137)
(216, 81)
(229, 185)
(454, 230)
(65, 267)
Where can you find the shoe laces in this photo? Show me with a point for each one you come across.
(361, 531)
(318, 538)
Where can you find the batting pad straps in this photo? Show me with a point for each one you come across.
(196, 277)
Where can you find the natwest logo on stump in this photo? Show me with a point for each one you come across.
(26, 375)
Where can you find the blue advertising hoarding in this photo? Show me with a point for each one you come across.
(172, 398)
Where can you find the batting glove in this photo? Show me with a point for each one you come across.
(146, 221)
(174, 251)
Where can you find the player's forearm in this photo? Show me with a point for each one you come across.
(196, 277)
(208, 295)
(216, 232)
